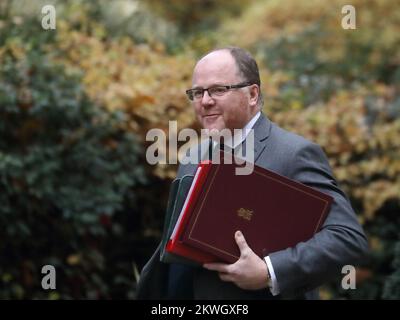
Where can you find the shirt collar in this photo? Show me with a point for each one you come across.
(241, 135)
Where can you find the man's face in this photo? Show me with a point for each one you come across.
(232, 110)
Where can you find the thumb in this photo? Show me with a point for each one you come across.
(241, 241)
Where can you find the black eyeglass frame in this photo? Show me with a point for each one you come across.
(190, 95)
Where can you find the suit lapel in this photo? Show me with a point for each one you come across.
(262, 129)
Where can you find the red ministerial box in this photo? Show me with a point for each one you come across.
(272, 211)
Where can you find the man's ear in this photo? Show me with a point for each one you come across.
(254, 94)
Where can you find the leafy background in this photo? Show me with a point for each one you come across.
(76, 104)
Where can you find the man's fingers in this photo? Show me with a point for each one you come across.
(241, 241)
(225, 277)
(220, 267)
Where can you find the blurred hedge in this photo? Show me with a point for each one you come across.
(67, 169)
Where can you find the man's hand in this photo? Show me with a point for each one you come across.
(249, 272)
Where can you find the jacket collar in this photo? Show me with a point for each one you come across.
(262, 130)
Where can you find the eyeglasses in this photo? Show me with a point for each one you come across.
(216, 91)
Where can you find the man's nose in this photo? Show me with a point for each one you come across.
(207, 99)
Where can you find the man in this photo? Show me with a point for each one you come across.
(226, 94)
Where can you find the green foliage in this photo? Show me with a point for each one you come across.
(304, 46)
(193, 16)
(67, 169)
(392, 284)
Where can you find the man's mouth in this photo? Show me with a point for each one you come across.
(211, 116)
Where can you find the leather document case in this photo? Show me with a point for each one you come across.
(177, 196)
(272, 211)
(175, 250)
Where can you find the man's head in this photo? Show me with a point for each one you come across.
(227, 108)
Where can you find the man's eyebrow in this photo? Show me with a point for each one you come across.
(213, 85)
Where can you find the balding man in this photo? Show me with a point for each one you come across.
(226, 94)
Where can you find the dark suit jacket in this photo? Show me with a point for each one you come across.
(299, 269)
